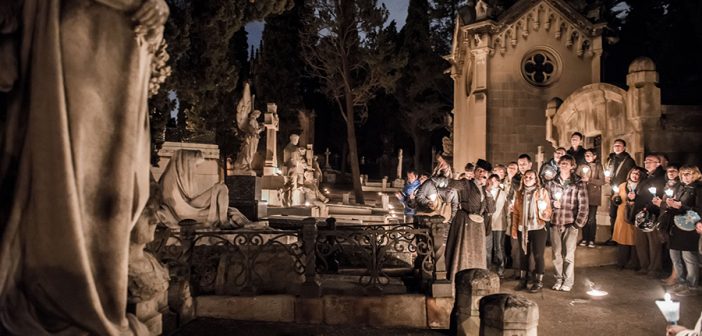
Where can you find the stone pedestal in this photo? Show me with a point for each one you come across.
(508, 315)
(471, 286)
(244, 194)
(150, 312)
(270, 187)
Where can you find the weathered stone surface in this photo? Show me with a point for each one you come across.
(471, 286)
(439, 312)
(508, 314)
(275, 308)
(383, 311)
(309, 310)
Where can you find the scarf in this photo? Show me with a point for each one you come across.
(529, 211)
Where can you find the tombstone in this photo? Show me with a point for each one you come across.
(385, 201)
(272, 181)
(385, 182)
(399, 182)
(471, 285)
(309, 155)
(346, 198)
(326, 159)
(508, 315)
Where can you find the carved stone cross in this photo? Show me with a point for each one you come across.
(326, 160)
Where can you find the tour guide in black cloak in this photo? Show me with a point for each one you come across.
(466, 241)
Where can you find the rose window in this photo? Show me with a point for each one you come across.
(540, 68)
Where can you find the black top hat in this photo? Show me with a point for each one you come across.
(484, 165)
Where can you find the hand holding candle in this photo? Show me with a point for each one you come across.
(669, 192)
(652, 190)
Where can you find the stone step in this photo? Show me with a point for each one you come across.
(587, 257)
(341, 209)
(388, 189)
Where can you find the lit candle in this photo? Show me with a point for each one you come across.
(669, 192)
(390, 206)
(586, 169)
(608, 173)
(307, 204)
(502, 186)
(652, 190)
(380, 193)
(669, 308)
(557, 195)
(542, 205)
(615, 189)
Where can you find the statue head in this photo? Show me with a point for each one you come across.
(143, 231)
(294, 139)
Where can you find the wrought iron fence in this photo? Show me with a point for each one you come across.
(245, 262)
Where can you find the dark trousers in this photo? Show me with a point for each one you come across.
(536, 244)
(626, 257)
(590, 229)
(648, 249)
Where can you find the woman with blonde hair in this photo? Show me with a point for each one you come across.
(532, 209)
(683, 205)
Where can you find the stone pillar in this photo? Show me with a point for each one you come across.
(312, 286)
(399, 165)
(385, 201)
(471, 285)
(539, 157)
(551, 109)
(508, 315)
(643, 103)
(270, 121)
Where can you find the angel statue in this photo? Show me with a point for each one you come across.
(249, 129)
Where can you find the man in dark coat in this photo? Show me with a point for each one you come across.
(617, 168)
(576, 149)
(648, 244)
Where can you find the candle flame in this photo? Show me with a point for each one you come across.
(666, 297)
(615, 189)
(652, 190)
(669, 192)
(608, 173)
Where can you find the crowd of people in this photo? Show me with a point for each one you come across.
(504, 216)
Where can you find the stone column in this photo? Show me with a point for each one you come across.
(399, 165)
(508, 315)
(270, 121)
(643, 104)
(312, 286)
(471, 285)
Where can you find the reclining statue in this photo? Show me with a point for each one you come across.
(183, 198)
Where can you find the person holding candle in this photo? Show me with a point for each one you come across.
(549, 167)
(619, 163)
(684, 244)
(576, 149)
(624, 235)
(593, 176)
(672, 182)
(495, 239)
(649, 244)
(678, 330)
(570, 210)
(532, 209)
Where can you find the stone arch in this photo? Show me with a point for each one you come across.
(596, 109)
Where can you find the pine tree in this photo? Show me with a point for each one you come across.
(425, 92)
(205, 71)
(346, 48)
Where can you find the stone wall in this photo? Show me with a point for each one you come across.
(679, 134)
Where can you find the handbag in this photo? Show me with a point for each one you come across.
(687, 221)
(645, 221)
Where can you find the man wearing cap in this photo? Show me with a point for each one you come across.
(466, 241)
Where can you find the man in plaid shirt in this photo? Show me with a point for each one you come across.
(570, 210)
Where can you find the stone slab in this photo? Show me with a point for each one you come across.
(243, 188)
(311, 211)
(342, 209)
(273, 308)
(381, 189)
(439, 312)
(384, 311)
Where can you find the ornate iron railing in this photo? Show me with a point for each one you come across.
(241, 262)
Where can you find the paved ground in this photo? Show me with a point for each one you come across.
(629, 309)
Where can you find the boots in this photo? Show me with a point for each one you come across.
(538, 284)
(523, 279)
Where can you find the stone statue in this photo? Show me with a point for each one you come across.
(249, 129)
(311, 189)
(74, 163)
(249, 145)
(294, 158)
(183, 198)
(147, 278)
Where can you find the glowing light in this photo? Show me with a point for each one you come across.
(608, 173)
(433, 197)
(652, 190)
(669, 192)
(615, 189)
(557, 195)
(390, 206)
(307, 204)
(380, 194)
(586, 170)
(542, 205)
(669, 308)
(596, 293)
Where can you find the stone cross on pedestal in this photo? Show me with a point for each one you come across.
(270, 121)
(326, 160)
(399, 165)
(539, 157)
(309, 155)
